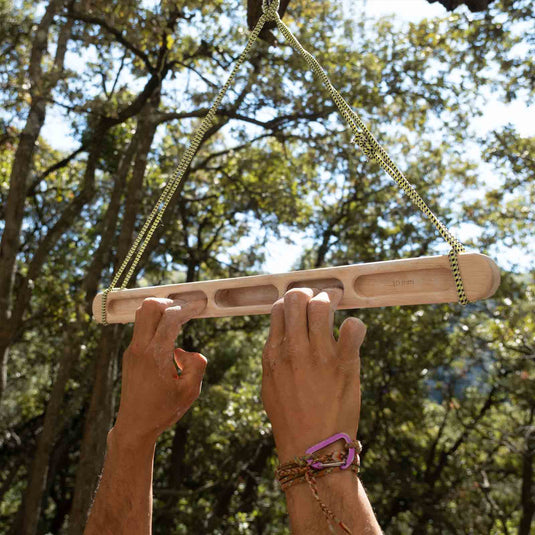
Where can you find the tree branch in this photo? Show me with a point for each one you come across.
(118, 34)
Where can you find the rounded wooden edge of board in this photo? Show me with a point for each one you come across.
(96, 308)
(492, 274)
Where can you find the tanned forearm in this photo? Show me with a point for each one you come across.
(123, 504)
(311, 393)
(343, 493)
(153, 398)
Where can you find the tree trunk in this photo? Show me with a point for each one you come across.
(97, 423)
(527, 503)
(22, 165)
(101, 257)
(57, 489)
(134, 193)
(33, 495)
(250, 471)
(5, 341)
(100, 413)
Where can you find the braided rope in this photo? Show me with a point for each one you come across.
(362, 136)
(374, 152)
(300, 471)
(145, 234)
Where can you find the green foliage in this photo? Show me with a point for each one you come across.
(448, 405)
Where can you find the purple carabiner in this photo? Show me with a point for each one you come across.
(327, 442)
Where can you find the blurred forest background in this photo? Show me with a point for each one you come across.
(448, 392)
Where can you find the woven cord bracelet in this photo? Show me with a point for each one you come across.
(309, 467)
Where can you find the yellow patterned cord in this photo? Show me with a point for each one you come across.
(373, 151)
(362, 136)
(145, 234)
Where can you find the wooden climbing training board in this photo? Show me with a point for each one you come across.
(412, 281)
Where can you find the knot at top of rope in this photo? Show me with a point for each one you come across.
(271, 9)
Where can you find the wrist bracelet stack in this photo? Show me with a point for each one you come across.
(311, 466)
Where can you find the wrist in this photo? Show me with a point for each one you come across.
(288, 455)
(128, 438)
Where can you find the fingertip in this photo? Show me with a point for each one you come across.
(148, 316)
(193, 307)
(155, 303)
(297, 299)
(352, 334)
(295, 315)
(173, 318)
(278, 306)
(335, 295)
(278, 302)
(298, 294)
(361, 327)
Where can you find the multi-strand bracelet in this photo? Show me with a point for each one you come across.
(311, 466)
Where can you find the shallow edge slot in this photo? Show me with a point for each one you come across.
(404, 282)
(125, 305)
(319, 284)
(187, 297)
(249, 296)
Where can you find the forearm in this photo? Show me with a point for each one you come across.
(123, 503)
(343, 493)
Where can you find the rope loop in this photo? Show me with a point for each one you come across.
(362, 135)
(456, 271)
(270, 8)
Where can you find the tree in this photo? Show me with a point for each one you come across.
(254, 11)
(473, 5)
(448, 419)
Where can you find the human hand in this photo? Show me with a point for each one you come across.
(153, 395)
(311, 382)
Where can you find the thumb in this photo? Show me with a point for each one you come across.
(352, 333)
(192, 365)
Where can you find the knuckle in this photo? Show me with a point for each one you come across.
(318, 307)
(346, 368)
(277, 307)
(269, 356)
(268, 367)
(296, 297)
(151, 304)
(293, 348)
(202, 360)
(266, 353)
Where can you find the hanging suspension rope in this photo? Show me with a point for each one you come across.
(361, 136)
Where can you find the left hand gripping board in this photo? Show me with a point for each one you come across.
(412, 281)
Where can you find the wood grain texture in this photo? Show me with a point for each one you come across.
(413, 281)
